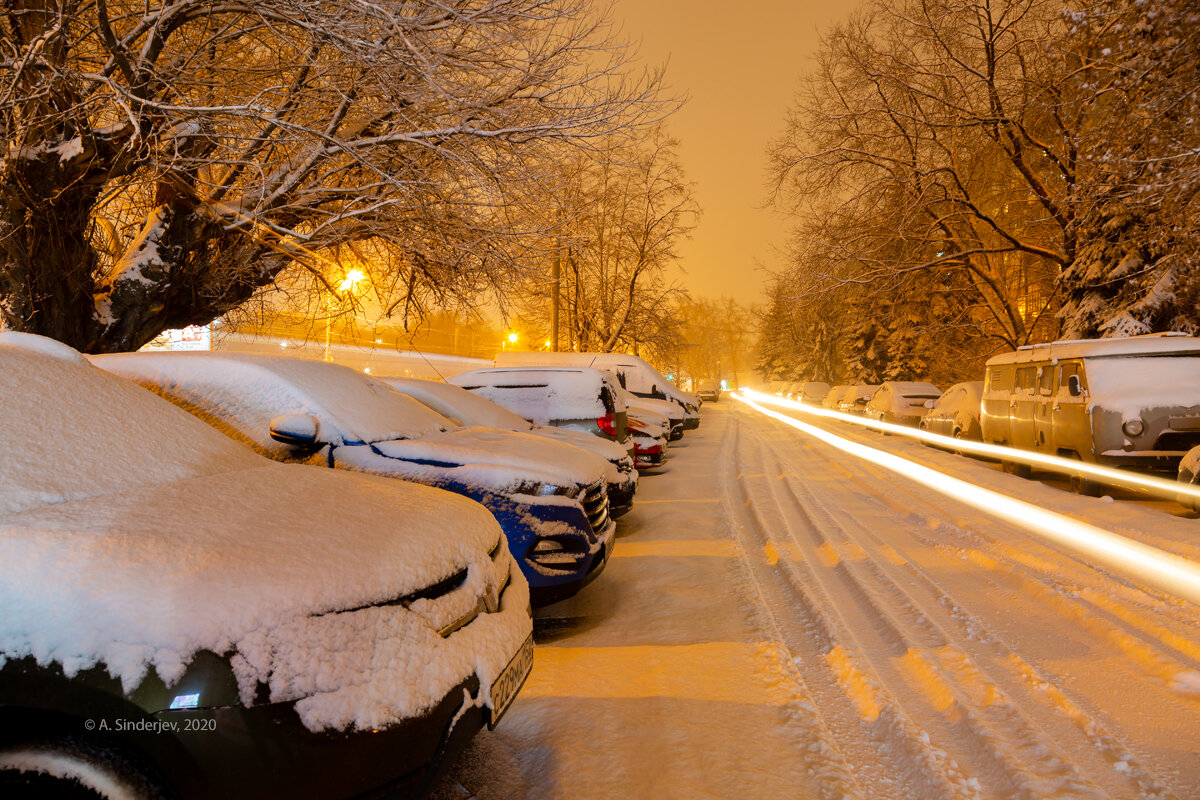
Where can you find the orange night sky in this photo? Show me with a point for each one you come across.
(739, 64)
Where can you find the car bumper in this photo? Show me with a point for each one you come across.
(555, 576)
(691, 423)
(620, 497)
(266, 752)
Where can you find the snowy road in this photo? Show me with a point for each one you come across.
(780, 619)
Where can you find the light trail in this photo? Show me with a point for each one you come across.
(1171, 573)
(1161, 487)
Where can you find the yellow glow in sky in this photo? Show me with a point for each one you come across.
(739, 64)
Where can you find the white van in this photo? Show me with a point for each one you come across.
(634, 372)
(1131, 402)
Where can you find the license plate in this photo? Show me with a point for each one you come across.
(510, 681)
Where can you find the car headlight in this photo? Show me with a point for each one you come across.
(1133, 427)
(547, 489)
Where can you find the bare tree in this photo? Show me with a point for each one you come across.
(624, 211)
(936, 138)
(165, 160)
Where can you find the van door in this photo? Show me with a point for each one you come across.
(1072, 420)
(997, 397)
(1043, 424)
(1023, 407)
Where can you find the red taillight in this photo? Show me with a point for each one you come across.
(607, 424)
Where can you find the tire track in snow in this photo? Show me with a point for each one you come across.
(891, 754)
(1116, 755)
(973, 720)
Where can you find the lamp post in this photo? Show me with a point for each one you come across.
(352, 279)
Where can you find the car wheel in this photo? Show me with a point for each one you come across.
(70, 768)
(1187, 501)
(1085, 486)
(1020, 470)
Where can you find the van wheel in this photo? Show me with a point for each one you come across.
(1085, 487)
(1020, 470)
(71, 768)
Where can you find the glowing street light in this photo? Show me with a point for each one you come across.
(352, 279)
(512, 338)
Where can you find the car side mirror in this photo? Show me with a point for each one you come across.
(1074, 386)
(298, 431)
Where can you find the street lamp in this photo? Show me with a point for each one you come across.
(352, 279)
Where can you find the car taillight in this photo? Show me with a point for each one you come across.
(607, 424)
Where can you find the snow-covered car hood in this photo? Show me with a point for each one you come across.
(606, 449)
(499, 460)
(240, 561)
(665, 408)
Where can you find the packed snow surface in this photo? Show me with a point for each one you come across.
(133, 535)
(781, 619)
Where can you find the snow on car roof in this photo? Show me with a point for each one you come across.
(540, 395)
(132, 535)
(97, 419)
(1149, 344)
(242, 393)
(458, 403)
(913, 388)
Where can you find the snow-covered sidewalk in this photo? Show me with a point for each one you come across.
(782, 620)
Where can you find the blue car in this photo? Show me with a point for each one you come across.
(549, 497)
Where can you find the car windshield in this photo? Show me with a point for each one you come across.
(453, 401)
(73, 431)
(246, 392)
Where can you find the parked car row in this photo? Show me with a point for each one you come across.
(1131, 403)
(280, 578)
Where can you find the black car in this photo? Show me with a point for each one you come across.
(180, 617)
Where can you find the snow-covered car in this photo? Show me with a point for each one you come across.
(834, 396)
(956, 413)
(634, 374)
(577, 398)
(813, 392)
(180, 617)
(854, 399)
(901, 402)
(470, 410)
(709, 390)
(649, 443)
(650, 410)
(548, 497)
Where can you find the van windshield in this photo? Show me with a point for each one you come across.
(1131, 385)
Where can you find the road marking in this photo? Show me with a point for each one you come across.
(714, 548)
(757, 673)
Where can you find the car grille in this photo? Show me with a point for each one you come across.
(595, 505)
